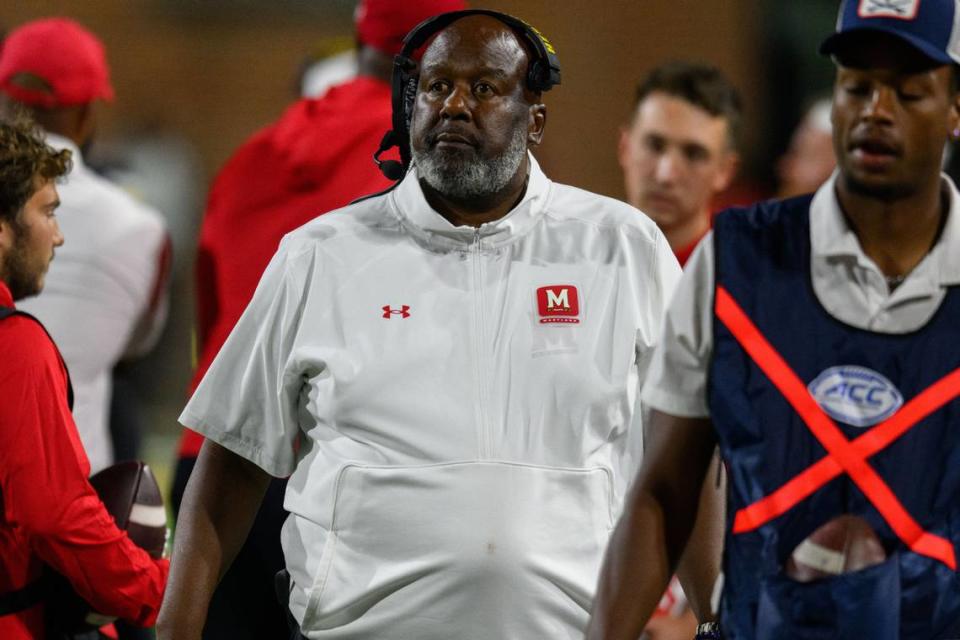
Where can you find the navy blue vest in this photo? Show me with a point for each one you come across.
(763, 261)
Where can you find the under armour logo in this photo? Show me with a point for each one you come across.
(906, 9)
(403, 311)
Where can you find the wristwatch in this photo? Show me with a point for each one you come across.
(708, 631)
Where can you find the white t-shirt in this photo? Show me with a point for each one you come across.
(847, 283)
(458, 408)
(104, 297)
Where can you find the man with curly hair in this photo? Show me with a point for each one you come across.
(50, 514)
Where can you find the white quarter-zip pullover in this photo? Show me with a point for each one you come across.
(458, 408)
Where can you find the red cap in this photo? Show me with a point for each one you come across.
(67, 62)
(383, 24)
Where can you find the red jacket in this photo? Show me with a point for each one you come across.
(317, 157)
(50, 513)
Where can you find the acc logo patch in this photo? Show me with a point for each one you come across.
(856, 395)
(558, 303)
(903, 9)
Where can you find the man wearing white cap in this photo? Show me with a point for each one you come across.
(814, 339)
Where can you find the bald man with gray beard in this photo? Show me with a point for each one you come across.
(448, 373)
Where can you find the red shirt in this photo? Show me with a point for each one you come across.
(317, 157)
(683, 253)
(50, 513)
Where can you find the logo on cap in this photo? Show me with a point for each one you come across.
(558, 303)
(903, 9)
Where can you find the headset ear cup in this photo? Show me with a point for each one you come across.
(403, 74)
(537, 79)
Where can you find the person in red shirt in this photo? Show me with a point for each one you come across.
(679, 150)
(50, 514)
(317, 157)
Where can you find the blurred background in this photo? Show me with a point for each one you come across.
(194, 78)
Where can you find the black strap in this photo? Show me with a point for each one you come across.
(6, 312)
(24, 598)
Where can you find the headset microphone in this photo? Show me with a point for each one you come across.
(391, 169)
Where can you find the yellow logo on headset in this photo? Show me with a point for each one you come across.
(543, 38)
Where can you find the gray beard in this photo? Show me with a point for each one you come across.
(466, 178)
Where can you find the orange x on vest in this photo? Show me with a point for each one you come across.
(843, 456)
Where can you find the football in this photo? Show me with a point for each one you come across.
(845, 544)
(131, 495)
(130, 492)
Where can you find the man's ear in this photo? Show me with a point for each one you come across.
(729, 164)
(7, 238)
(536, 121)
(954, 119)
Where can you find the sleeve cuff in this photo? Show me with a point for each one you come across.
(244, 448)
(683, 406)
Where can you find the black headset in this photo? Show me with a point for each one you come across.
(543, 74)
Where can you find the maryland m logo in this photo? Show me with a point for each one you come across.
(558, 303)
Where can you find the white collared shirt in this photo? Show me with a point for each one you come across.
(847, 283)
(458, 408)
(104, 297)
